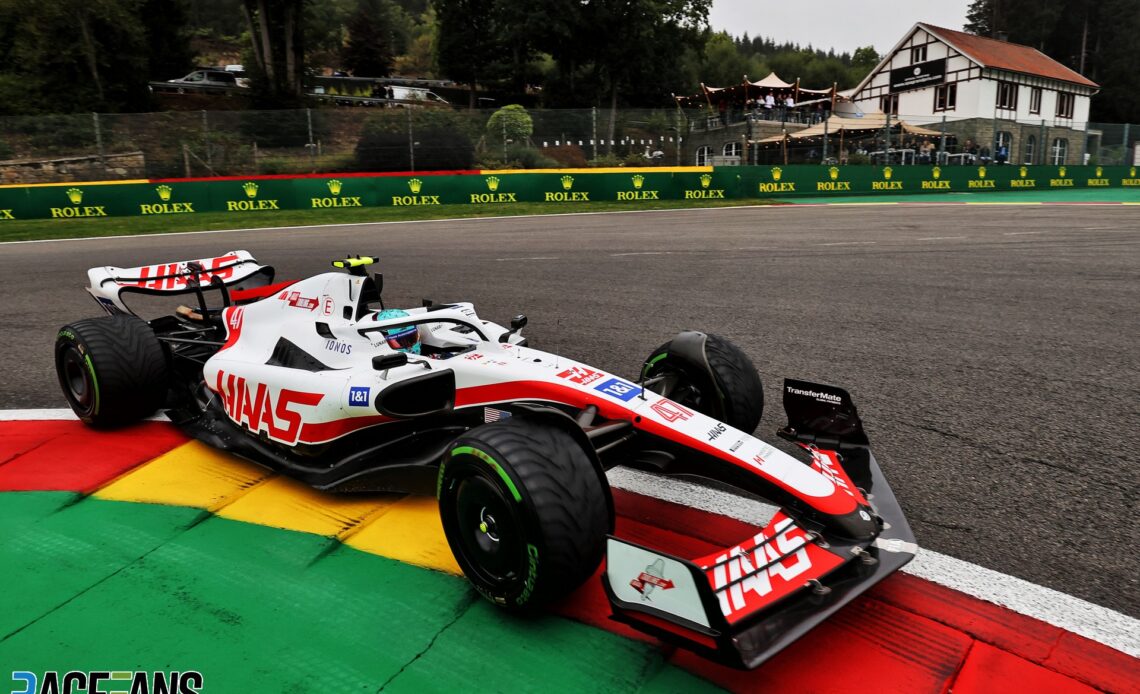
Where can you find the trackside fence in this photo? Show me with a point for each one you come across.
(635, 186)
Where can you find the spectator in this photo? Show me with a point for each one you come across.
(1002, 153)
(769, 104)
(722, 106)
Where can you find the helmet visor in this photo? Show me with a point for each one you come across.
(403, 338)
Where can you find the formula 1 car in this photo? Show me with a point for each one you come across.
(319, 380)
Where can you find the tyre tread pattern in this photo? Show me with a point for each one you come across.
(738, 381)
(565, 493)
(130, 366)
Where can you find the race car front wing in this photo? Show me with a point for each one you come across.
(741, 605)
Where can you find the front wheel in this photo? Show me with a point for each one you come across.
(524, 512)
(710, 375)
(112, 370)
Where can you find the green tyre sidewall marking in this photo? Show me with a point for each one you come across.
(94, 382)
(481, 455)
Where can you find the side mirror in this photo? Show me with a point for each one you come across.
(383, 362)
(517, 324)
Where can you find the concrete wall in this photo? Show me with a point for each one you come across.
(110, 167)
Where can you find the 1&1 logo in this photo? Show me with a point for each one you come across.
(108, 682)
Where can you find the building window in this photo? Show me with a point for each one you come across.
(918, 54)
(889, 104)
(1065, 105)
(1035, 100)
(732, 149)
(704, 156)
(1002, 146)
(1059, 151)
(946, 97)
(1030, 148)
(1007, 95)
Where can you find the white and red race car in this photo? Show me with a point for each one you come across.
(318, 380)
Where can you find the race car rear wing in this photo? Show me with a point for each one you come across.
(236, 270)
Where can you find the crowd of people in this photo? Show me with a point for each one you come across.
(773, 106)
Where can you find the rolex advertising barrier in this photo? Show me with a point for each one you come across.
(635, 186)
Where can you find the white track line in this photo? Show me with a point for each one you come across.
(1094, 622)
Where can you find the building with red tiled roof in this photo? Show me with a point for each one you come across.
(1013, 97)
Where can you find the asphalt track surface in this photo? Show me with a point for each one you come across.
(992, 350)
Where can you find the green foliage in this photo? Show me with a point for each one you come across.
(74, 56)
(1105, 30)
(509, 124)
(440, 138)
(376, 33)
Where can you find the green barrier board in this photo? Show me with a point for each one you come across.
(253, 195)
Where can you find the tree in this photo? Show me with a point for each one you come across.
(167, 38)
(373, 40)
(102, 66)
(276, 35)
(510, 123)
(469, 46)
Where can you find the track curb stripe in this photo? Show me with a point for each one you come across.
(50, 452)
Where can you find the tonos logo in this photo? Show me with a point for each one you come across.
(637, 193)
(415, 185)
(337, 200)
(566, 194)
(494, 196)
(165, 193)
(75, 196)
(251, 204)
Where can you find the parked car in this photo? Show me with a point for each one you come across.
(208, 78)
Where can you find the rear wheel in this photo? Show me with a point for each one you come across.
(524, 512)
(112, 370)
(728, 388)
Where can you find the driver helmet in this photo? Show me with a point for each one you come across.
(405, 338)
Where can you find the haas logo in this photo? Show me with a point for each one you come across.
(254, 406)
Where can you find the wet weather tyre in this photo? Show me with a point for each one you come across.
(524, 512)
(112, 370)
(734, 395)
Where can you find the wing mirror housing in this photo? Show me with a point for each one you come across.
(383, 362)
(517, 324)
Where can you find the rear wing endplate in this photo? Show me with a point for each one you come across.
(235, 269)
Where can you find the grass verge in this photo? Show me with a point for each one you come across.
(41, 229)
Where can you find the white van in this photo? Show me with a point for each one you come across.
(415, 94)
